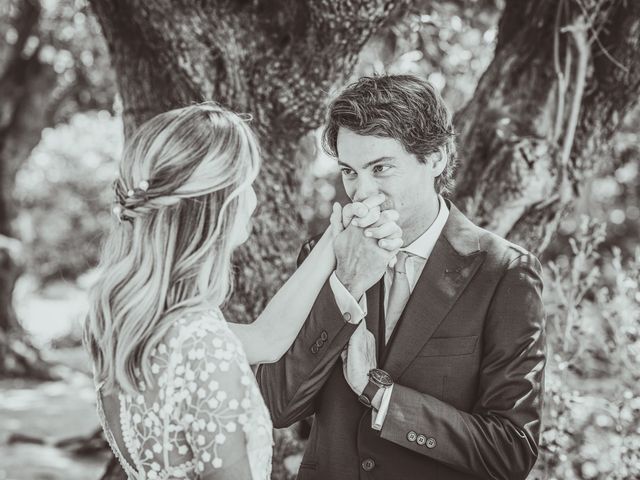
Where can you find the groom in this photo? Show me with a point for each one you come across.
(453, 387)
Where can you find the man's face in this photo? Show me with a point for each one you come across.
(373, 165)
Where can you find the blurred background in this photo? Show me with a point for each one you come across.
(64, 159)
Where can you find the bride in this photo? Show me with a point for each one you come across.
(176, 395)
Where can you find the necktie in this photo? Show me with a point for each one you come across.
(398, 295)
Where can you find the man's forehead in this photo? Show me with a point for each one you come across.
(362, 149)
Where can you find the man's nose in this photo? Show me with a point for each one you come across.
(365, 188)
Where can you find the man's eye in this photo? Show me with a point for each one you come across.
(381, 168)
(347, 172)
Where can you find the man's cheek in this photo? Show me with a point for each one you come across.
(349, 189)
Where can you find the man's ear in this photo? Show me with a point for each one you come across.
(438, 161)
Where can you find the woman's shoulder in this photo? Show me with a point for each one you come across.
(201, 333)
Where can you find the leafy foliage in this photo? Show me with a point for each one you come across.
(66, 38)
(64, 195)
(592, 398)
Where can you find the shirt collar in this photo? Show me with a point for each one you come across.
(423, 245)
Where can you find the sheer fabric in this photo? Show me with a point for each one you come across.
(203, 418)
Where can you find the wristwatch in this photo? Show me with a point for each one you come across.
(377, 379)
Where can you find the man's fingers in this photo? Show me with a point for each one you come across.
(347, 214)
(351, 210)
(370, 218)
(387, 216)
(387, 230)
(374, 200)
(390, 215)
(364, 210)
(373, 214)
(336, 219)
(390, 244)
(396, 234)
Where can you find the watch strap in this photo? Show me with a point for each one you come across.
(368, 393)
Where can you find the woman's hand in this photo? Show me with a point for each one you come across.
(378, 225)
(367, 212)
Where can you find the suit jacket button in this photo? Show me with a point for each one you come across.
(319, 343)
(421, 440)
(324, 336)
(347, 316)
(314, 349)
(411, 436)
(431, 442)
(368, 464)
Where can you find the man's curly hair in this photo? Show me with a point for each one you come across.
(403, 107)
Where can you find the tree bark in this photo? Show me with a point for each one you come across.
(561, 81)
(26, 85)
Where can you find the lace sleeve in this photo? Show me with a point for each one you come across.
(218, 401)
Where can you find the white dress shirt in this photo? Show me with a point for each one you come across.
(419, 252)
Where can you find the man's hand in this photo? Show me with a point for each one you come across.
(363, 254)
(360, 261)
(358, 358)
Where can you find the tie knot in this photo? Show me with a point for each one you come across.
(401, 262)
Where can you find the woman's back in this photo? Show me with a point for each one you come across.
(203, 417)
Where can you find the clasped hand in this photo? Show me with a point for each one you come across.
(366, 243)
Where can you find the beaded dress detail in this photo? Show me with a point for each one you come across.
(204, 415)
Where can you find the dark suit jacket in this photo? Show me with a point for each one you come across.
(467, 357)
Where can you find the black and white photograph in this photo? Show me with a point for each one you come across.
(320, 239)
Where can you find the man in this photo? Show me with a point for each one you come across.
(456, 325)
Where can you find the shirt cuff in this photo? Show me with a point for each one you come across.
(346, 303)
(377, 419)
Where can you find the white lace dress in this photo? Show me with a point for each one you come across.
(203, 418)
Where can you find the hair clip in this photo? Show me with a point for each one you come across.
(143, 185)
(117, 211)
(130, 193)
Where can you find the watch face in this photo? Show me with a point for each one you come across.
(380, 377)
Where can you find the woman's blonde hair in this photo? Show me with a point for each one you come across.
(170, 248)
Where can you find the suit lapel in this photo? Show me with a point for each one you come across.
(453, 262)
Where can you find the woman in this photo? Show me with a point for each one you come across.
(176, 395)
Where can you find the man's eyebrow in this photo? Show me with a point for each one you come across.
(368, 164)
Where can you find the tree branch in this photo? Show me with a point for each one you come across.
(520, 180)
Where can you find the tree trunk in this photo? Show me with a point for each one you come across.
(562, 79)
(26, 85)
